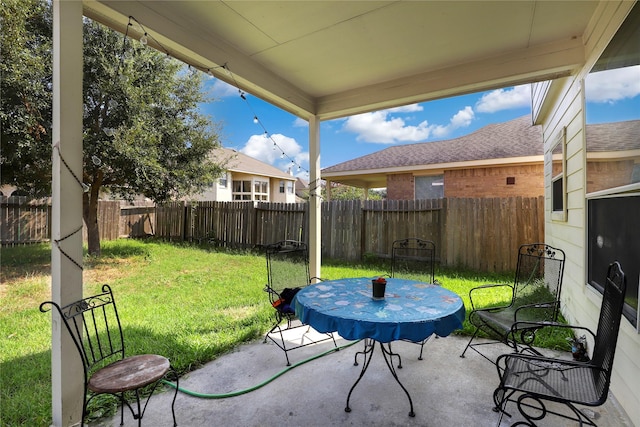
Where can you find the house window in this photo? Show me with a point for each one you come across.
(282, 187)
(557, 159)
(290, 187)
(222, 181)
(613, 156)
(511, 180)
(429, 187)
(261, 190)
(251, 190)
(241, 190)
(614, 235)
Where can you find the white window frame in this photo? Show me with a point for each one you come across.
(260, 190)
(243, 194)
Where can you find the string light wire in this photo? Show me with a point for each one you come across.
(85, 188)
(227, 71)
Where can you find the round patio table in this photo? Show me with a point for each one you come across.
(411, 310)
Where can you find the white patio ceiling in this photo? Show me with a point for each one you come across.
(334, 59)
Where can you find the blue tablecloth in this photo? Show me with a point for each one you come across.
(411, 310)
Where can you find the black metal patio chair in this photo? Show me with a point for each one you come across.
(530, 380)
(287, 273)
(414, 257)
(534, 297)
(94, 326)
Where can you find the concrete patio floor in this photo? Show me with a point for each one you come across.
(446, 390)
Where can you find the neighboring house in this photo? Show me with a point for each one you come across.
(498, 160)
(302, 189)
(249, 179)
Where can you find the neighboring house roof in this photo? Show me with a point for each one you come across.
(240, 162)
(515, 141)
(626, 136)
(510, 142)
(516, 138)
(302, 185)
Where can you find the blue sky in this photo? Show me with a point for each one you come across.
(611, 96)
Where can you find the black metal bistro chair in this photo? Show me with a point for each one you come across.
(531, 380)
(534, 297)
(94, 326)
(287, 273)
(414, 257)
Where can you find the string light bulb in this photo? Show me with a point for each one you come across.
(137, 26)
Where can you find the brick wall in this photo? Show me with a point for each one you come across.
(527, 181)
(603, 175)
(400, 187)
(508, 181)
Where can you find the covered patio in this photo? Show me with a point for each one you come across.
(446, 390)
(319, 61)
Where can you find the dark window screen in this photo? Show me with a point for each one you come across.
(614, 235)
(557, 197)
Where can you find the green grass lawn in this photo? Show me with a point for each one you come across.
(190, 304)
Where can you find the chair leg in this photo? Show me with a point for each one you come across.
(469, 343)
(84, 409)
(122, 408)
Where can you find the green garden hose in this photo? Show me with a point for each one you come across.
(263, 383)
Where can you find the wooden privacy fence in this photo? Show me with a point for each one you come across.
(232, 224)
(481, 234)
(23, 220)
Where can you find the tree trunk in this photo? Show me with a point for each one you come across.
(90, 215)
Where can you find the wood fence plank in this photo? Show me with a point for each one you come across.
(481, 234)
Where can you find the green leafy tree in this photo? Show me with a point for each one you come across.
(25, 95)
(345, 192)
(142, 131)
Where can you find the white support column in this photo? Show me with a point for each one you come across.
(314, 198)
(66, 213)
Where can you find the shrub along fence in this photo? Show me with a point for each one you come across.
(482, 234)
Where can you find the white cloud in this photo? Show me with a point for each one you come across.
(380, 127)
(461, 119)
(613, 85)
(505, 99)
(262, 148)
(300, 123)
(221, 89)
(411, 108)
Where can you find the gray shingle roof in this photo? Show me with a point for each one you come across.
(625, 136)
(515, 138)
(240, 162)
